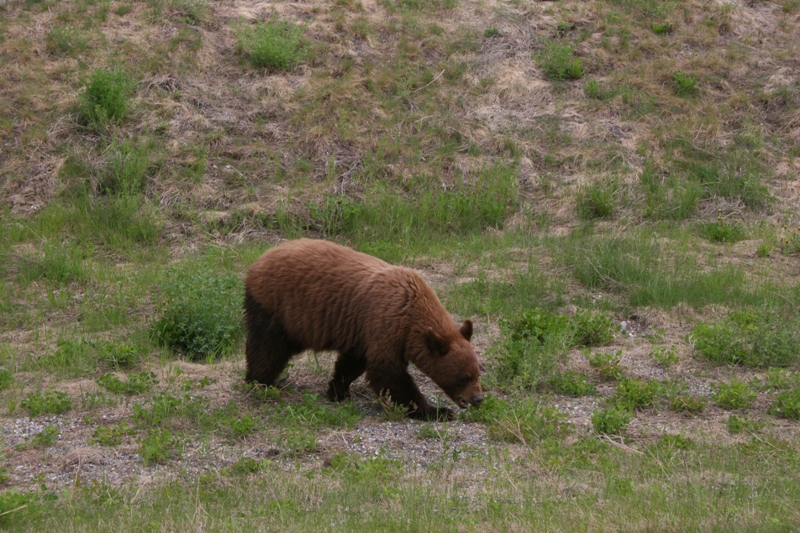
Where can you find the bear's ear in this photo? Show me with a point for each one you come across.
(466, 329)
(437, 344)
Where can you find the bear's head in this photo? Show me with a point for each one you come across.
(452, 364)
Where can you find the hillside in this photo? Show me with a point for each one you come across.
(610, 189)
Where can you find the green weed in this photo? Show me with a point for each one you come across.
(66, 41)
(607, 365)
(124, 170)
(530, 349)
(611, 420)
(200, 314)
(47, 402)
(558, 62)
(112, 435)
(159, 445)
(687, 403)
(134, 384)
(527, 422)
(753, 337)
(666, 358)
(787, 404)
(733, 395)
(43, 439)
(597, 200)
(275, 45)
(105, 98)
(684, 85)
(572, 383)
(722, 231)
(739, 424)
(637, 394)
(593, 329)
(6, 379)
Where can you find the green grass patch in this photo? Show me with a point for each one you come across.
(47, 402)
(275, 45)
(558, 62)
(105, 98)
(733, 395)
(758, 337)
(199, 313)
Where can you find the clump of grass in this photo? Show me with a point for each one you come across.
(531, 346)
(6, 379)
(607, 365)
(112, 435)
(105, 98)
(159, 445)
(752, 337)
(47, 402)
(43, 439)
(572, 383)
(274, 45)
(722, 231)
(738, 424)
(134, 384)
(526, 421)
(687, 403)
(733, 395)
(684, 85)
(491, 32)
(315, 411)
(119, 356)
(636, 394)
(611, 420)
(597, 200)
(787, 404)
(125, 169)
(66, 41)
(200, 314)
(592, 329)
(666, 358)
(558, 62)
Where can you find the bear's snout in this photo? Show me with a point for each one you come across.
(476, 400)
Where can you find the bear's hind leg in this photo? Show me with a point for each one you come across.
(399, 386)
(268, 348)
(349, 366)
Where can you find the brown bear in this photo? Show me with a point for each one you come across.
(314, 294)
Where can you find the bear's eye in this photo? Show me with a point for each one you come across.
(465, 380)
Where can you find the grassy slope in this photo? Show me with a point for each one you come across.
(659, 188)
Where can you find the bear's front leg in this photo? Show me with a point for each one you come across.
(349, 366)
(398, 386)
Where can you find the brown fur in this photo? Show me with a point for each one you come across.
(311, 294)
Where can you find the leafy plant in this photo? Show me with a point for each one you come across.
(200, 314)
(124, 170)
(66, 41)
(105, 98)
(43, 439)
(759, 338)
(134, 384)
(6, 379)
(593, 329)
(159, 445)
(48, 402)
(733, 395)
(683, 84)
(738, 424)
(572, 383)
(274, 45)
(787, 404)
(558, 62)
(666, 358)
(611, 420)
(528, 422)
(112, 435)
(687, 403)
(597, 200)
(530, 348)
(637, 394)
(608, 365)
(722, 231)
